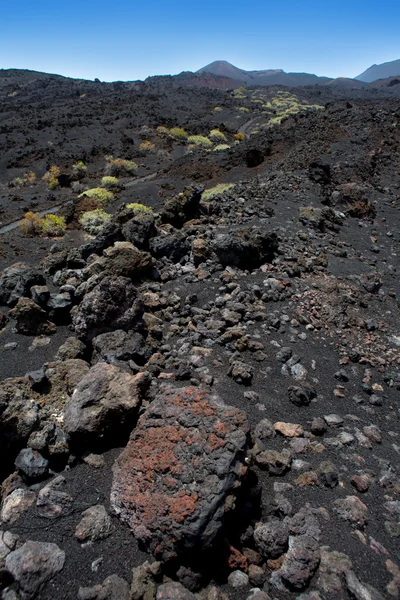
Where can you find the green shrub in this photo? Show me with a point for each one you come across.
(79, 167)
(101, 194)
(93, 220)
(217, 109)
(139, 208)
(243, 109)
(178, 133)
(217, 136)
(53, 226)
(51, 177)
(221, 147)
(219, 189)
(28, 179)
(200, 140)
(50, 225)
(110, 182)
(120, 166)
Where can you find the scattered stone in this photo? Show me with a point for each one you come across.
(289, 429)
(299, 564)
(359, 590)
(351, 509)
(95, 524)
(238, 580)
(271, 539)
(52, 500)
(16, 504)
(112, 588)
(174, 591)
(275, 462)
(16, 282)
(31, 319)
(31, 464)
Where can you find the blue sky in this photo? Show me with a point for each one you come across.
(131, 39)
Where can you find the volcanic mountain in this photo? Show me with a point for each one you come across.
(382, 71)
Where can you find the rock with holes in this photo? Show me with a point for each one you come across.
(105, 403)
(33, 565)
(184, 458)
(114, 303)
(95, 524)
(16, 282)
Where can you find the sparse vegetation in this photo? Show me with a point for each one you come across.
(100, 194)
(93, 220)
(219, 189)
(221, 147)
(239, 136)
(79, 168)
(200, 140)
(139, 208)
(217, 136)
(218, 109)
(51, 177)
(110, 182)
(50, 225)
(243, 109)
(120, 166)
(178, 133)
(148, 146)
(25, 181)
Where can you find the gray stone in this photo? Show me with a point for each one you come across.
(299, 565)
(361, 591)
(16, 504)
(112, 588)
(237, 579)
(34, 564)
(271, 539)
(52, 500)
(31, 464)
(16, 282)
(95, 524)
(174, 591)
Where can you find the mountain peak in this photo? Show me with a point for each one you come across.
(382, 71)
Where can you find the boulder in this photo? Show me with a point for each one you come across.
(120, 345)
(33, 565)
(171, 246)
(16, 282)
(104, 404)
(107, 236)
(246, 249)
(140, 229)
(299, 565)
(124, 260)
(95, 524)
(114, 303)
(32, 465)
(182, 207)
(31, 319)
(112, 588)
(183, 459)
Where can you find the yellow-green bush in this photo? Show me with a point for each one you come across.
(50, 225)
(120, 166)
(178, 133)
(101, 194)
(93, 220)
(53, 225)
(217, 190)
(148, 146)
(139, 208)
(28, 179)
(79, 167)
(200, 140)
(243, 109)
(51, 177)
(217, 109)
(221, 147)
(110, 182)
(217, 136)
(239, 136)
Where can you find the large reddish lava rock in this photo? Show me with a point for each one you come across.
(183, 460)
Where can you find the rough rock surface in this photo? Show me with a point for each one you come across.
(16, 281)
(182, 461)
(114, 303)
(33, 564)
(104, 403)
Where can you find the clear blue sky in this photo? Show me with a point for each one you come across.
(132, 39)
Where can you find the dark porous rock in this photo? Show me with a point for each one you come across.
(3, 320)
(53, 501)
(112, 588)
(114, 303)
(173, 590)
(31, 319)
(107, 236)
(271, 539)
(263, 433)
(201, 251)
(299, 565)
(105, 403)
(32, 465)
(185, 456)
(302, 394)
(33, 565)
(241, 372)
(140, 229)
(95, 524)
(246, 249)
(120, 345)
(182, 207)
(40, 294)
(351, 509)
(63, 377)
(124, 260)
(171, 246)
(59, 306)
(144, 579)
(16, 282)
(71, 348)
(19, 416)
(275, 462)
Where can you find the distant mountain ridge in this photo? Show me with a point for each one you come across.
(382, 71)
(222, 68)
